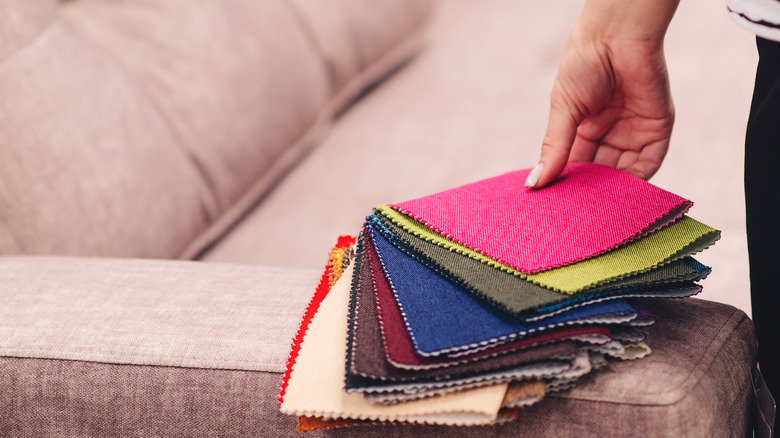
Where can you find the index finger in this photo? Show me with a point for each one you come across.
(556, 147)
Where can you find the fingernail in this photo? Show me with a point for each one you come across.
(533, 177)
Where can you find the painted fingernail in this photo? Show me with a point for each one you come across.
(533, 177)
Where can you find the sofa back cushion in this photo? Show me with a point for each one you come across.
(147, 128)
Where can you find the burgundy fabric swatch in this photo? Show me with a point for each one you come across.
(588, 210)
(399, 349)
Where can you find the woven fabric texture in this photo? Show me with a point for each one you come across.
(316, 383)
(519, 394)
(399, 349)
(150, 312)
(334, 268)
(581, 214)
(684, 237)
(527, 299)
(390, 393)
(442, 318)
(368, 366)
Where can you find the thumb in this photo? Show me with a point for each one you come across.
(556, 146)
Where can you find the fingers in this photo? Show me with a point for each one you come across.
(583, 149)
(643, 163)
(650, 159)
(556, 146)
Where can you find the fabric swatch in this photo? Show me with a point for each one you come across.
(423, 389)
(336, 263)
(528, 300)
(644, 317)
(582, 365)
(315, 385)
(310, 424)
(444, 319)
(521, 394)
(684, 237)
(461, 307)
(581, 214)
(526, 393)
(518, 395)
(634, 351)
(399, 350)
(367, 365)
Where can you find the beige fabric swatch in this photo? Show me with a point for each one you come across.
(523, 393)
(316, 386)
(519, 394)
(633, 351)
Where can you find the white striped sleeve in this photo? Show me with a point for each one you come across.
(761, 17)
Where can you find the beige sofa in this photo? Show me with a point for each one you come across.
(173, 174)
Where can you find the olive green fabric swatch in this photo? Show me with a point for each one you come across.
(684, 237)
(523, 298)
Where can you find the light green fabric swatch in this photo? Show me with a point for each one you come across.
(684, 237)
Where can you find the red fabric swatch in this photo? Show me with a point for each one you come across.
(323, 287)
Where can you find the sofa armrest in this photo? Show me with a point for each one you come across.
(151, 312)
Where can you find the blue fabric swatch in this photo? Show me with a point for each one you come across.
(443, 319)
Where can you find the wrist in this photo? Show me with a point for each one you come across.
(642, 22)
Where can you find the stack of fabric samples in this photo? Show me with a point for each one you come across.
(461, 307)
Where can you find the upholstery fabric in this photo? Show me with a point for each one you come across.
(580, 215)
(93, 399)
(398, 347)
(684, 237)
(353, 37)
(67, 190)
(150, 312)
(316, 383)
(204, 102)
(682, 389)
(529, 300)
(367, 366)
(446, 319)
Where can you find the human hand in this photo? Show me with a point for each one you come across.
(611, 102)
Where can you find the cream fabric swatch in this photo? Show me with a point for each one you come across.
(316, 385)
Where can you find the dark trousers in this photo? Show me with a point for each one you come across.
(762, 202)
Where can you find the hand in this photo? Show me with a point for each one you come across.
(611, 102)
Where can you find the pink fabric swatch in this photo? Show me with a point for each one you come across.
(588, 210)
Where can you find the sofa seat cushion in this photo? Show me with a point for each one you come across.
(105, 347)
